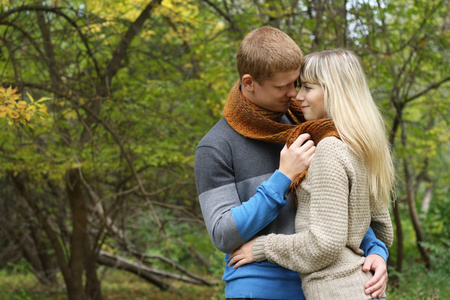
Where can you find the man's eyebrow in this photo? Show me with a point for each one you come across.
(285, 84)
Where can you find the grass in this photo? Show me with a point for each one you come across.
(418, 283)
(414, 283)
(116, 285)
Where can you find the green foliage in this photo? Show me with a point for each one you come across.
(423, 284)
(20, 267)
(170, 89)
(438, 227)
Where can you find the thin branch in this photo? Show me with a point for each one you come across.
(131, 165)
(56, 11)
(124, 44)
(221, 13)
(431, 87)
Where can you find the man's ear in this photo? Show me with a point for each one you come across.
(248, 83)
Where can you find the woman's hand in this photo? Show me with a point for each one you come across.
(243, 255)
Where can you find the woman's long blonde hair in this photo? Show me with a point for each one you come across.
(348, 101)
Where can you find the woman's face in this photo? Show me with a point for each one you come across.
(310, 96)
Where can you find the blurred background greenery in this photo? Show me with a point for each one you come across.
(103, 102)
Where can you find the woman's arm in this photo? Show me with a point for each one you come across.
(318, 246)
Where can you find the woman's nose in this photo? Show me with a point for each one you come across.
(299, 96)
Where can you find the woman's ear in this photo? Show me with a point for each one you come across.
(248, 83)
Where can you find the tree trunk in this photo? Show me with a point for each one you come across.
(395, 206)
(78, 239)
(399, 240)
(93, 285)
(51, 234)
(410, 194)
(42, 249)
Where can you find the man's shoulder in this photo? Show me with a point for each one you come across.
(220, 133)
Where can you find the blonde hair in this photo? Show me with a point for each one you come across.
(266, 51)
(348, 101)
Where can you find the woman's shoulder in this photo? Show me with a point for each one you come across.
(331, 142)
(333, 148)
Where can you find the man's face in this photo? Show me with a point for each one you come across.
(275, 94)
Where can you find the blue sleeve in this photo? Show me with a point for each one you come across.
(371, 245)
(256, 213)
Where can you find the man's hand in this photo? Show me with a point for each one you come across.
(376, 286)
(297, 157)
(243, 255)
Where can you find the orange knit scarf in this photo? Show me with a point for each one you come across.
(255, 122)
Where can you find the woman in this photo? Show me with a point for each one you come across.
(347, 187)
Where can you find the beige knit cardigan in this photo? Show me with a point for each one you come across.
(333, 215)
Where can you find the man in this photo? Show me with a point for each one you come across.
(242, 179)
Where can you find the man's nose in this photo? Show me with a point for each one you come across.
(292, 92)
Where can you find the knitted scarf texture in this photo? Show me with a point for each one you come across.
(255, 122)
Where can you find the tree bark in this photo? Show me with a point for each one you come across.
(410, 193)
(50, 232)
(399, 237)
(121, 263)
(78, 238)
(395, 206)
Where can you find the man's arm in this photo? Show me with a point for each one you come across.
(376, 286)
(376, 257)
(371, 245)
(382, 227)
(229, 222)
(218, 196)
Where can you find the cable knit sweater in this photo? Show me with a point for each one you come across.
(333, 215)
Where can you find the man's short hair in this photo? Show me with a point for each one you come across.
(266, 51)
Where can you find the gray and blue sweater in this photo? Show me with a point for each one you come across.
(241, 195)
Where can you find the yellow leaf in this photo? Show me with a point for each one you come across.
(9, 91)
(27, 116)
(31, 98)
(31, 109)
(13, 114)
(44, 99)
(21, 104)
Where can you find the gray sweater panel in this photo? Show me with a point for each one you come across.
(228, 169)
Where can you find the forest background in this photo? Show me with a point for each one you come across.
(102, 104)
